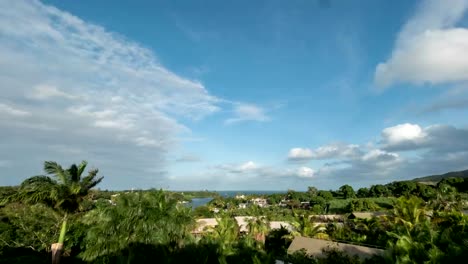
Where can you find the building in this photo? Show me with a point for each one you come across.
(325, 218)
(365, 215)
(242, 222)
(204, 223)
(262, 202)
(315, 247)
(279, 224)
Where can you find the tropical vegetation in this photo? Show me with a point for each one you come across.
(61, 217)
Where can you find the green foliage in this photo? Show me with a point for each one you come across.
(361, 205)
(278, 241)
(63, 190)
(35, 227)
(379, 191)
(318, 200)
(203, 212)
(403, 188)
(363, 193)
(347, 191)
(327, 195)
(151, 227)
(140, 217)
(312, 191)
(420, 237)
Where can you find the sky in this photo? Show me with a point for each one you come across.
(234, 95)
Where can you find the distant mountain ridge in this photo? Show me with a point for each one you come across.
(437, 178)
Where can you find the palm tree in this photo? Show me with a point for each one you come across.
(303, 226)
(258, 228)
(225, 233)
(63, 190)
(138, 218)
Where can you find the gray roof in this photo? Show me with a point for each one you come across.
(242, 222)
(314, 247)
(367, 215)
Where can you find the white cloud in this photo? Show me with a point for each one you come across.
(381, 157)
(246, 167)
(305, 172)
(43, 92)
(250, 165)
(337, 150)
(437, 149)
(298, 154)
(121, 105)
(13, 111)
(403, 133)
(250, 174)
(430, 48)
(436, 138)
(331, 151)
(247, 112)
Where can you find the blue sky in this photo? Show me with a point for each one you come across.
(242, 95)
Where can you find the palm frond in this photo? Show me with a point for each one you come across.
(90, 181)
(94, 183)
(82, 167)
(38, 189)
(37, 180)
(73, 172)
(52, 167)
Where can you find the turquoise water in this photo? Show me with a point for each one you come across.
(196, 202)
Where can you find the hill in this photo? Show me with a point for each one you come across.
(437, 178)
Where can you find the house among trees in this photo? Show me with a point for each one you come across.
(315, 247)
(242, 221)
(261, 202)
(365, 215)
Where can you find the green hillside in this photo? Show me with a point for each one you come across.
(437, 178)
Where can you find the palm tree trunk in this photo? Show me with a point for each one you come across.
(57, 248)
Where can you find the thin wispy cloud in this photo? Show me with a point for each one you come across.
(247, 112)
(89, 87)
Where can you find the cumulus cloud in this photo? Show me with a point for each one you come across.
(247, 112)
(435, 149)
(381, 157)
(305, 172)
(245, 167)
(403, 136)
(429, 48)
(331, 151)
(248, 175)
(250, 165)
(299, 154)
(436, 138)
(67, 82)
